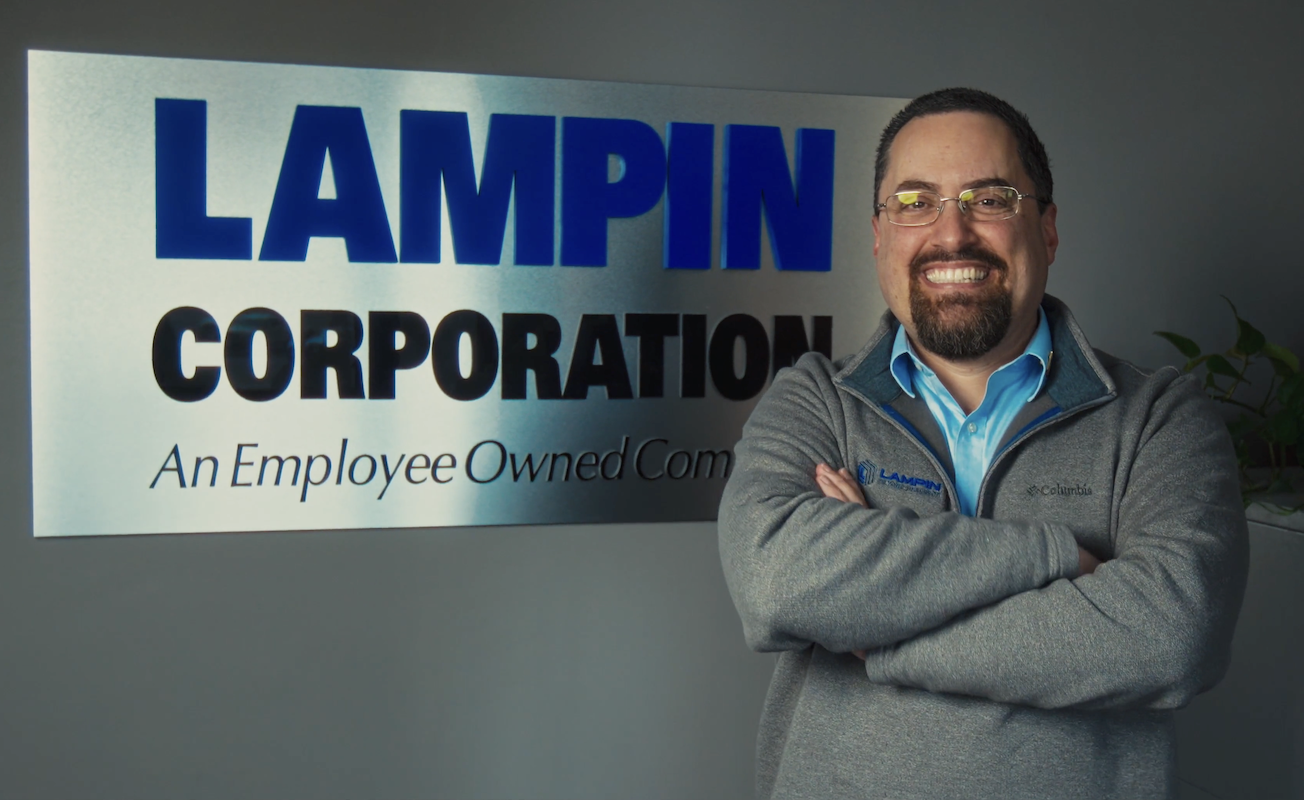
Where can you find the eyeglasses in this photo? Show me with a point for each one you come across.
(984, 204)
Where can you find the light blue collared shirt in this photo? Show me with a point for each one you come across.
(973, 439)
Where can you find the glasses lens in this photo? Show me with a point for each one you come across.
(991, 202)
(912, 208)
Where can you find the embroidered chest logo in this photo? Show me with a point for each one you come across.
(868, 472)
(1058, 489)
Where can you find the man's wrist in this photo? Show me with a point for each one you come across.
(876, 664)
(1063, 546)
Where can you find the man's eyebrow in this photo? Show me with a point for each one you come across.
(926, 186)
(923, 186)
(995, 180)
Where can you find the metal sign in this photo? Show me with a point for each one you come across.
(274, 297)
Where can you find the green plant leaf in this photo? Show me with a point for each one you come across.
(1217, 365)
(1281, 368)
(1184, 345)
(1281, 358)
(1248, 338)
(1195, 362)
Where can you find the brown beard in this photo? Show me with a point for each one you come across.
(980, 329)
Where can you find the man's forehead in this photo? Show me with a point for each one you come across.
(964, 146)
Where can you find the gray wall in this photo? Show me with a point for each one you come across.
(585, 661)
(1245, 739)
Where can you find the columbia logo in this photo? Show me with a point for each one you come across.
(1059, 490)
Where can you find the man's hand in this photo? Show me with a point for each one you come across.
(839, 485)
(1087, 563)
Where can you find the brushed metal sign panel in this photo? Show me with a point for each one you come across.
(179, 386)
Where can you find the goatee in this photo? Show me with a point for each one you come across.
(968, 334)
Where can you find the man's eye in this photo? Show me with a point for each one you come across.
(990, 200)
(978, 199)
(914, 203)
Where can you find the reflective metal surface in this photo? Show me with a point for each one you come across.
(105, 431)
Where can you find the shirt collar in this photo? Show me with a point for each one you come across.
(905, 361)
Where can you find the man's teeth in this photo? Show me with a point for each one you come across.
(956, 275)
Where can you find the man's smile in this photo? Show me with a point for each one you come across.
(955, 275)
(964, 270)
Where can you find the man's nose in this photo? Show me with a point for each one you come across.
(953, 227)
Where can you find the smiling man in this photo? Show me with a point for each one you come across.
(993, 560)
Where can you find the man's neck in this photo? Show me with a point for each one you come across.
(967, 380)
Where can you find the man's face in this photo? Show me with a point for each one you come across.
(963, 288)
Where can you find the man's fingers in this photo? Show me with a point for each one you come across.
(828, 487)
(838, 485)
(832, 487)
(850, 490)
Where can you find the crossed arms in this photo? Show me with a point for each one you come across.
(839, 485)
(999, 609)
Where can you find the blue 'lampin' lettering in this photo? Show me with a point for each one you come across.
(588, 199)
(910, 480)
(756, 178)
(182, 226)
(520, 157)
(690, 173)
(356, 213)
(519, 152)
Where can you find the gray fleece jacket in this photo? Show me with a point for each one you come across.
(994, 670)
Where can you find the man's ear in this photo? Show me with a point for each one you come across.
(1049, 233)
(873, 221)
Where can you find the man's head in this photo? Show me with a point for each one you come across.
(966, 284)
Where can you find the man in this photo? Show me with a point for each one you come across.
(993, 560)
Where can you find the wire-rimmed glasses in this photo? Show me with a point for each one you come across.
(915, 207)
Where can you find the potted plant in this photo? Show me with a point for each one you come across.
(1267, 426)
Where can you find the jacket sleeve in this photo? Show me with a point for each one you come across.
(803, 568)
(1148, 629)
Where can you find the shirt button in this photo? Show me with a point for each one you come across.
(973, 427)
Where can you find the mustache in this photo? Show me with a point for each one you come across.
(982, 255)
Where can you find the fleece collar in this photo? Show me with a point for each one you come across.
(1075, 377)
